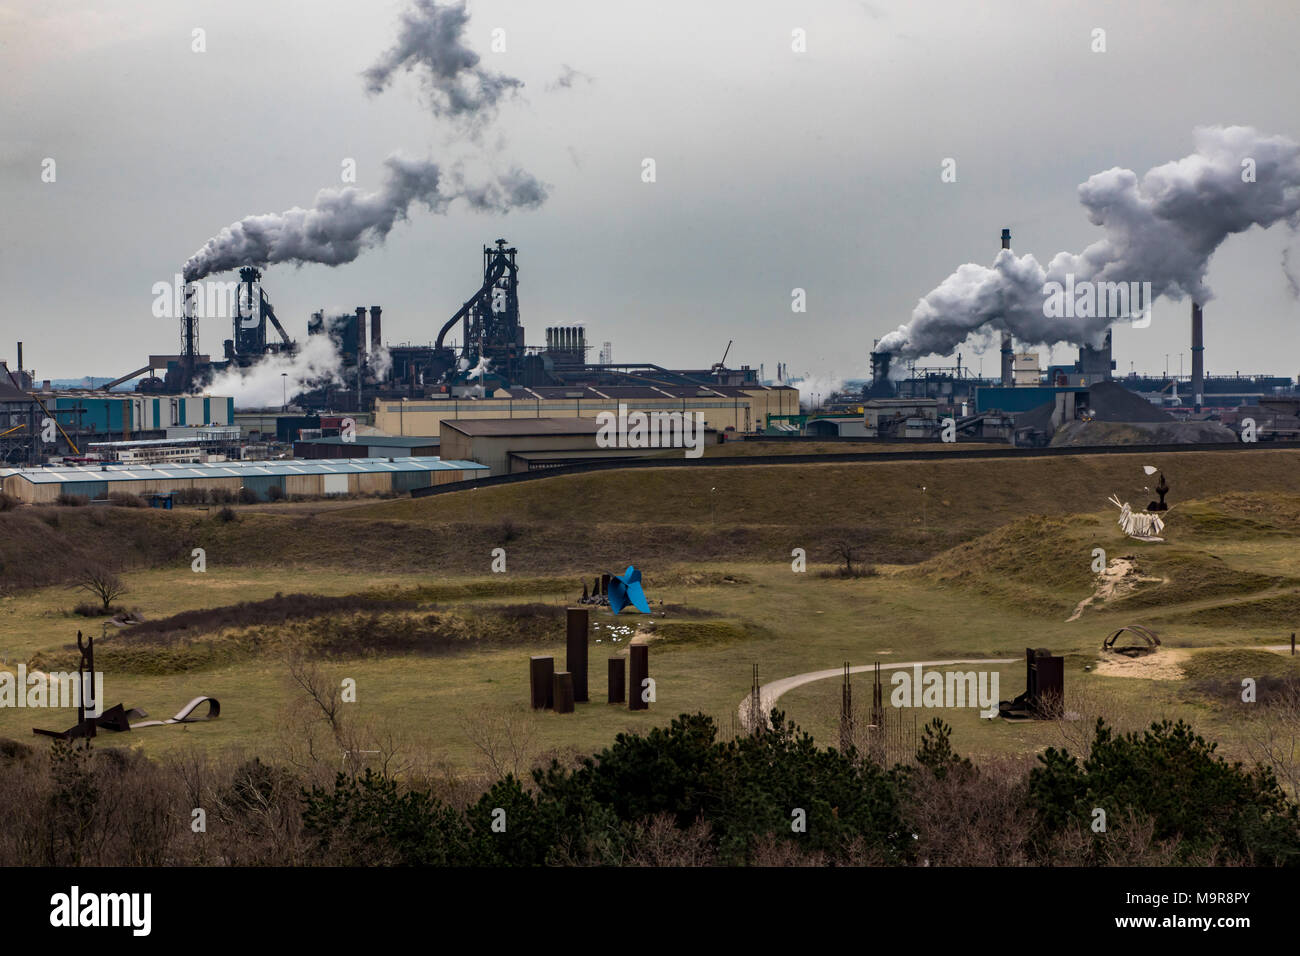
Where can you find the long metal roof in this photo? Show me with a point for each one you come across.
(239, 469)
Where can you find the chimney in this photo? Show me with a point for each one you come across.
(1198, 357)
(361, 334)
(1008, 352)
(376, 336)
(880, 387)
(20, 360)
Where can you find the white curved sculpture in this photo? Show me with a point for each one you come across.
(1138, 524)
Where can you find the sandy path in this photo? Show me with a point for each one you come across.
(769, 693)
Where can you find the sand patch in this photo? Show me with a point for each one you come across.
(1162, 665)
(1121, 577)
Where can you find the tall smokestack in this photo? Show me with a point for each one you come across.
(1198, 356)
(1008, 352)
(376, 336)
(20, 359)
(361, 335)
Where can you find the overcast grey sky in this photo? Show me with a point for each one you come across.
(775, 169)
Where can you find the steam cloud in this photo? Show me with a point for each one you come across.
(317, 363)
(815, 389)
(1161, 229)
(344, 221)
(429, 39)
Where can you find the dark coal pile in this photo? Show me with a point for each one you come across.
(1143, 433)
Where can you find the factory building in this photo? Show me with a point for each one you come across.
(210, 443)
(901, 417)
(349, 476)
(510, 446)
(740, 408)
(100, 414)
(367, 446)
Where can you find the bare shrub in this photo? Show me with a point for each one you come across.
(971, 817)
(1272, 737)
(658, 841)
(507, 742)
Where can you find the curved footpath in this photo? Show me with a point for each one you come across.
(768, 694)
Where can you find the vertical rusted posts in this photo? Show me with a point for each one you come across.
(563, 692)
(540, 673)
(846, 711)
(639, 670)
(617, 680)
(578, 628)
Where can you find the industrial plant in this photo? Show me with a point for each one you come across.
(479, 365)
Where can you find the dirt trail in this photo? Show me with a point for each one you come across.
(769, 693)
(1121, 577)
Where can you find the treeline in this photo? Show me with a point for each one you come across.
(673, 796)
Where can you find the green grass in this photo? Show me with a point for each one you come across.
(995, 566)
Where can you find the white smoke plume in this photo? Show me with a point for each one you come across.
(814, 390)
(317, 363)
(429, 42)
(344, 221)
(1161, 229)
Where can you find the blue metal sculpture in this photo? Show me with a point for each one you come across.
(625, 589)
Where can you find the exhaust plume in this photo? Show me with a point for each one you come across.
(317, 363)
(816, 389)
(1161, 229)
(429, 42)
(344, 221)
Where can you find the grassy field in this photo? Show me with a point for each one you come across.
(998, 560)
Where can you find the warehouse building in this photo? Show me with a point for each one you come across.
(511, 445)
(367, 446)
(346, 476)
(740, 408)
(101, 414)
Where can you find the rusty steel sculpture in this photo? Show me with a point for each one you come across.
(1044, 695)
(91, 719)
(1147, 635)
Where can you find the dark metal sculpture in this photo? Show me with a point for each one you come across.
(1148, 635)
(617, 680)
(1162, 489)
(540, 672)
(117, 718)
(846, 711)
(1044, 694)
(577, 632)
(639, 667)
(563, 692)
